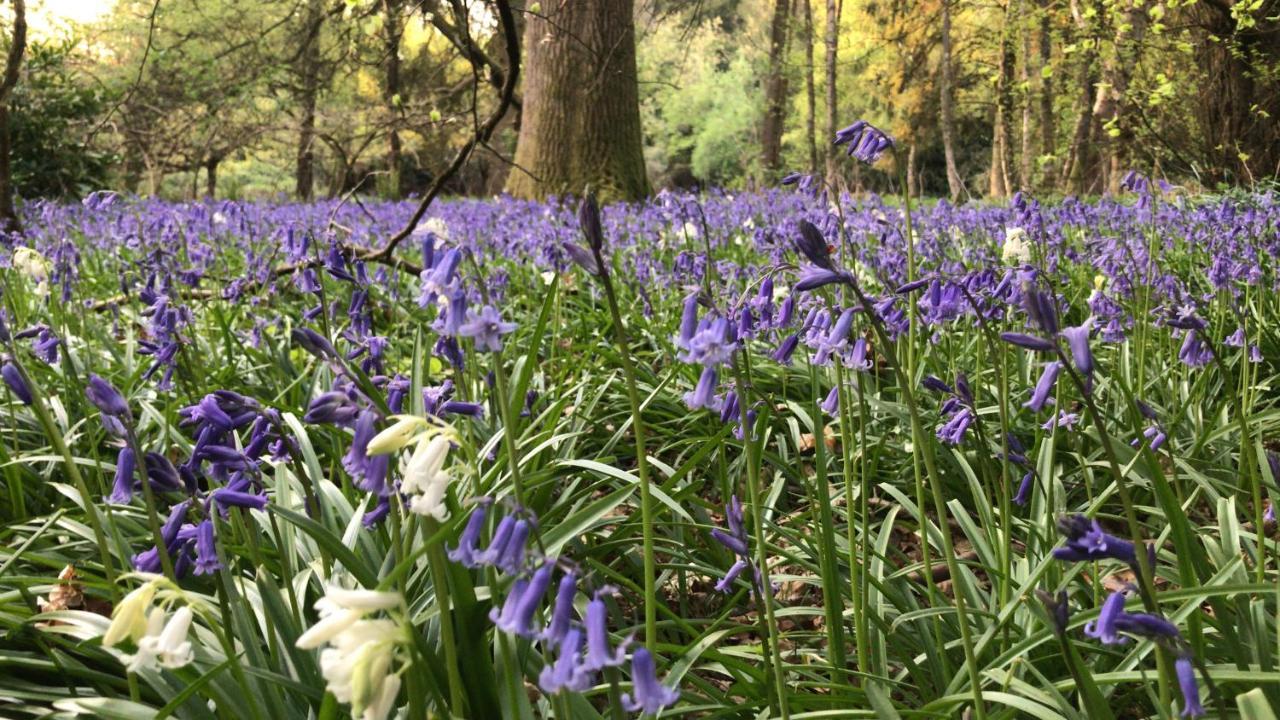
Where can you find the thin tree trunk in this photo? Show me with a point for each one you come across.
(9, 221)
(391, 29)
(581, 119)
(955, 184)
(832, 42)
(1048, 121)
(308, 89)
(1079, 155)
(211, 176)
(1111, 106)
(810, 91)
(1025, 166)
(1000, 129)
(775, 91)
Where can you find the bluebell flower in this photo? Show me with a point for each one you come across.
(226, 497)
(647, 696)
(1078, 342)
(703, 394)
(831, 404)
(122, 488)
(314, 343)
(106, 398)
(1186, 673)
(520, 620)
(953, 431)
(16, 383)
(509, 557)
(1105, 628)
(562, 613)
(813, 245)
(1030, 342)
(1044, 386)
(1087, 541)
(581, 257)
(786, 349)
(567, 673)
(600, 654)
(814, 278)
(467, 553)
(1024, 489)
(589, 222)
(486, 328)
(866, 142)
(206, 551)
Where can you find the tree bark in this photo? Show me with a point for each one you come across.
(1048, 121)
(775, 91)
(9, 221)
(1078, 159)
(1026, 156)
(1111, 106)
(1000, 131)
(391, 32)
(832, 42)
(581, 118)
(308, 88)
(211, 176)
(955, 184)
(811, 100)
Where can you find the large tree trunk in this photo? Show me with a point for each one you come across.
(581, 119)
(811, 99)
(955, 184)
(832, 42)
(1048, 125)
(13, 63)
(775, 91)
(391, 31)
(308, 89)
(1000, 128)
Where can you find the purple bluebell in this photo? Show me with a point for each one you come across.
(106, 398)
(567, 672)
(1024, 489)
(581, 257)
(600, 654)
(813, 245)
(207, 561)
(1104, 628)
(1186, 673)
(1194, 353)
(1081, 354)
(703, 394)
(486, 328)
(831, 404)
(458, 407)
(13, 378)
(226, 497)
(589, 222)
(953, 431)
(509, 558)
(122, 488)
(161, 472)
(1086, 541)
(467, 551)
(314, 343)
(520, 621)
(647, 696)
(1030, 342)
(562, 612)
(1043, 391)
(786, 349)
(814, 278)
(866, 142)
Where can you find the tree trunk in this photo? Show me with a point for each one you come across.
(1000, 128)
(581, 119)
(308, 89)
(1111, 106)
(775, 92)
(955, 184)
(391, 31)
(1025, 166)
(211, 176)
(811, 99)
(832, 42)
(1078, 159)
(9, 221)
(1048, 121)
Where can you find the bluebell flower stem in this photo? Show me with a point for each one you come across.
(831, 598)
(765, 589)
(440, 580)
(642, 463)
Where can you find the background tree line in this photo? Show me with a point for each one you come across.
(245, 98)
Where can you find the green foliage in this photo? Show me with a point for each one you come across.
(54, 108)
